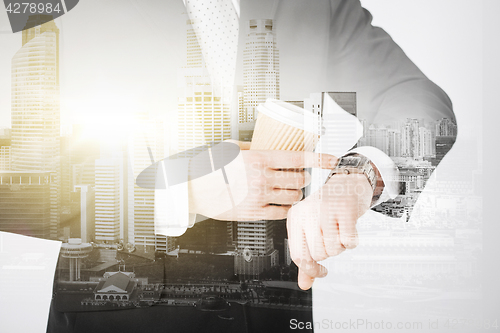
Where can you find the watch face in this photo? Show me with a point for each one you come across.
(350, 161)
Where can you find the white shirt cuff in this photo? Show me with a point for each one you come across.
(387, 168)
(172, 217)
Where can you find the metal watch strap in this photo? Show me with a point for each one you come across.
(364, 168)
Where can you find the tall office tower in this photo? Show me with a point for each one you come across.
(35, 99)
(254, 244)
(394, 143)
(108, 200)
(410, 140)
(86, 216)
(25, 202)
(35, 107)
(148, 137)
(203, 114)
(242, 114)
(260, 65)
(425, 142)
(406, 140)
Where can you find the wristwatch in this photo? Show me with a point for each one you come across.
(355, 163)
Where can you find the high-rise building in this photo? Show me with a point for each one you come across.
(242, 114)
(25, 203)
(108, 200)
(443, 146)
(260, 65)
(85, 219)
(410, 139)
(425, 142)
(35, 99)
(148, 138)
(35, 107)
(446, 127)
(255, 248)
(203, 114)
(394, 138)
(254, 240)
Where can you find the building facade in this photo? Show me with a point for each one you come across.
(260, 65)
(25, 198)
(35, 107)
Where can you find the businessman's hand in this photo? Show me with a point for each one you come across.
(263, 184)
(324, 224)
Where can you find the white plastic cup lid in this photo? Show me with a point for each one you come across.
(289, 114)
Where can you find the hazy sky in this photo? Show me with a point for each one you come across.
(118, 57)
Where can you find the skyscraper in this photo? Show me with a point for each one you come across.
(446, 127)
(255, 247)
(35, 99)
(35, 108)
(108, 200)
(260, 66)
(148, 137)
(410, 140)
(394, 143)
(19, 215)
(254, 240)
(203, 114)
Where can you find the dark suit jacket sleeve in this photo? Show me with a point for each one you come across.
(390, 88)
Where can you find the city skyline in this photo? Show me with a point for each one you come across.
(124, 216)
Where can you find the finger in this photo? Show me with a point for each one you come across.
(315, 244)
(284, 197)
(301, 256)
(311, 268)
(347, 229)
(272, 212)
(286, 179)
(300, 159)
(331, 239)
(304, 281)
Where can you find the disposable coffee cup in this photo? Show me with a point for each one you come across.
(284, 126)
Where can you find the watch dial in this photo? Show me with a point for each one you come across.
(350, 161)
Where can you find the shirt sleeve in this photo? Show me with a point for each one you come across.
(172, 216)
